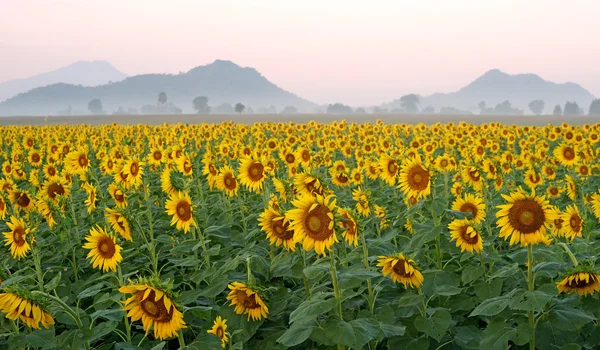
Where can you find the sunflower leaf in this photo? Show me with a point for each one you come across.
(490, 307)
(496, 336)
(529, 300)
(297, 333)
(435, 325)
(311, 308)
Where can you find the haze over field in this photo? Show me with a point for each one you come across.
(312, 53)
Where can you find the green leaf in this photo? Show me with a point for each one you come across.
(40, 338)
(524, 332)
(102, 329)
(423, 234)
(471, 273)
(390, 330)
(467, 337)
(54, 282)
(365, 330)
(490, 289)
(435, 325)
(215, 287)
(569, 319)
(490, 307)
(409, 299)
(340, 331)
(91, 291)
(571, 346)
(311, 308)
(529, 300)
(496, 336)
(316, 271)
(297, 333)
(205, 341)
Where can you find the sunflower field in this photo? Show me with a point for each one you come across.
(303, 236)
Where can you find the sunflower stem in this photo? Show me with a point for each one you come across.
(152, 246)
(306, 285)
(483, 266)
(239, 200)
(181, 340)
(127, 325)
(336, 288)
(366, 262)
(570, 254)
(251, 280)
(531, 288)
(38, 267)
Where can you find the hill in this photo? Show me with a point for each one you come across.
(496, 86)
(87, 73)
(220, 81)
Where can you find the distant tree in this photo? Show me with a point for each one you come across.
(120, 111)
(224, 108)
(95, 106)
(239, 108)
(428, 110)
(200, 104)
(168, 108)
(481, 105)
(410, 103)
(376, 110)
(360, 110)
(557, 110)
(595, 107)
(506, 108)
(536, 106)
(162, 98)
(571, 108)
(249, 110)
(338, 108)
(453, 111)
(289, 110)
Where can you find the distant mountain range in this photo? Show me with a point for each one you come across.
(71, 88)
(220, 81)
(87, 73)
(495, 86)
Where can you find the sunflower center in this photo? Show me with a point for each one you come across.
(469, 208)
(155, 309)
(119, 196)
(281, 229)
(444, 163)
(568, 153)
(392, 167)
(290, 158)
(220, 332)
(83, 161)
(418, 178)
(229, 181)
(157, 155)
(399, 268)
(349, 225)
(106, 247)
(35, 157)
(255, 171)
(581, 283)
(134, 168)
(184, 210)
(23, 200)
(305, 156)
(317, 223)
(575, 222)
(55, 189)
(19, 236)
(469, 236)
(187, 167)
(51, 171)
(342, 178)
(526, 216)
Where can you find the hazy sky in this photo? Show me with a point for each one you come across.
(357, 52)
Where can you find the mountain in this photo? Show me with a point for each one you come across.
(220, 81)
(87, 73)
(496, 86)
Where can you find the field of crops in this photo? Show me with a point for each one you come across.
(275, 236)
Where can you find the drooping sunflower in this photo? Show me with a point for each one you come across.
(16, 238)
(572, 222)
(277, 227)
(313, 222)
(571, 187)
(119, 223)
(581, 282)
(466, 236)
(46, 209)
(247, 301)
(381, 214)
(388, 169)
(219, 329)
(252, 174)
(415, 179)
(349, 226)
(118, 195)
(525, 218)
(155, 307)
(473, 204)
(22, 201)
(104, 253)
(362, 205)
(226, 181)
(566, 154)
(210, 171)
(20, 307)
(401, 270)
(179, 206)
(91, 191)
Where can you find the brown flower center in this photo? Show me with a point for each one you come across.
(19, 236)
(575, 222)
(317, 223)
(82, 160)
(400, 269)
(255, 171)
(106, 247)
(469, 208)
(526, 216)
(157, 155)
(23, 200)
(466, 236)
(55, 189)
(155, 309)
(184, 210)
(392, 167)
(568, 153)
(418, 178)
(229, 181)
(281, 229)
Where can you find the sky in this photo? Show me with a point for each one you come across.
(355, 52)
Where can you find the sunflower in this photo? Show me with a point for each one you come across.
(16, 238)
(210, 171)
(118, 195)
(362, 205)
(155, 157)
(381, 214)
(252, 174)
(457, 189)
(305, 183)
(91, 191)
(473, 204)
(247, 301)
(572, 222)
(179, 206)
(155, 307)
(549, 172)
(571, 187)
(119, 223)
(525, 218)
(465, 235)
(472, 176)
(2, 207)
(277, 227)
(29, 311)
(78, 162)
(280, 188)
(184, 165)
(415, 179)
(340, 179)
(47, 212)
(55, 188)
(22, 201)
(219, 329)
(553, 191)
(313, 222)
(104, 253)
(533, 178)
(226, 181)
(7, 185)
(133, 171)
(582, 283)
(349, 226)
(566, 154)
(401, 270)
(388, 169)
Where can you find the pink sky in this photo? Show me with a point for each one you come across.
(356, 52)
